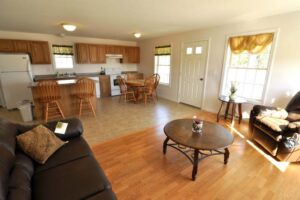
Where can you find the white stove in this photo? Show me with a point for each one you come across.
(114, 73)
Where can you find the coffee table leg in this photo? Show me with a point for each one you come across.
(226, 156)
(195, 164)
(165, 145)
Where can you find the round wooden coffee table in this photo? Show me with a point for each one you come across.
(213, 140)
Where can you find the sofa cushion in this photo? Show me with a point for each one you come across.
(294, 116)
(77, 179)
(7, 154)
(275, 124)
(75, 149)
(106, 194)
(39, 143)
(279, 113)
(74, 128)
(19, 186)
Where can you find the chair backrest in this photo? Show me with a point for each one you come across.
(85, 88)
(48, 90)
(157, 78)
(122, 84)
(150, 84)
(135, 76)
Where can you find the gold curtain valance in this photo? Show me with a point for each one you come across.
(62, 50)
(163, 50)
(252, 43)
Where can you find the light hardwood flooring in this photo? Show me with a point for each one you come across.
(127, 140)
(114, 119)
(138, 169)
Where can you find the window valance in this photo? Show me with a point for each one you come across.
(62, 50)
(163, 50)
(252, 43)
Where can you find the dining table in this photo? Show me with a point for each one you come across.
(137, 85)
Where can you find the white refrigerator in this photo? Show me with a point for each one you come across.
(15, 77)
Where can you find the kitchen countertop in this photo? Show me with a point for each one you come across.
(64, 77)
(60, 82)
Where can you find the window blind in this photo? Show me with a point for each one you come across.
(163, 50)
(62, 50)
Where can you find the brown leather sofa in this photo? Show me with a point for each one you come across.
(272, 141)
(70, 173)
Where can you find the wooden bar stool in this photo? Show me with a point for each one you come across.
(49, 94)
(85, 91)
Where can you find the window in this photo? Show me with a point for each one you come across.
(247, 69)
(163, 63)
(63, 56)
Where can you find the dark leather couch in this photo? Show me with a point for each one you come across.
(273, 141)
(70, 173)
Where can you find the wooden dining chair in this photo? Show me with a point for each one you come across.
(157, 78)
(126, 93)
(48, 95)
(149, 89)
(85, 91)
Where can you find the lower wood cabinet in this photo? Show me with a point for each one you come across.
(105, 88)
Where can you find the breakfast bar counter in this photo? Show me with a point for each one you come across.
(69, 102)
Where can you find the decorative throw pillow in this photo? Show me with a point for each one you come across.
(39, 143)
(279, 113)
(275, 124)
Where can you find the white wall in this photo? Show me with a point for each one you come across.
(284, 78)
(69, 40)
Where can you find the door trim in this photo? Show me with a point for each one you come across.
(205, 69)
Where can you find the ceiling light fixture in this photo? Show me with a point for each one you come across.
(137, 35)
(69, 27)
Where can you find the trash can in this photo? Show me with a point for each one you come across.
(25, 110)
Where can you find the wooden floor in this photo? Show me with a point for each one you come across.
(138, 169)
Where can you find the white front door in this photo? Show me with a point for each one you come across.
(194, 55)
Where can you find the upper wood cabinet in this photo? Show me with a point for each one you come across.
(82, 53)
(131, 55)
(6, 45)
(39, 52)
(97, 53)
(113, 49)
(22, 46)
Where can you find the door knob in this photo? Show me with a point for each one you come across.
(201, 79)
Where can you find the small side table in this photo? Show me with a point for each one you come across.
(236, 102)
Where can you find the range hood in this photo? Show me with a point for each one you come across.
(114, 55)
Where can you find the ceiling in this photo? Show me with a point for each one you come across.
(118, 19)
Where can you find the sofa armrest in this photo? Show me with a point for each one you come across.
(256, 110)
(74, 129)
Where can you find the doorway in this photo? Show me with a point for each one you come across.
(193, 65)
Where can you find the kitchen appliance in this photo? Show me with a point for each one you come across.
(114, 85)
(15, 76)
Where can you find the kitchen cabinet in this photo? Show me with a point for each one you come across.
(82, 53)
(6, 45)
(39, 52)
(131, 55)
(113, 49)
(105, 88)
(21, 46)
(97, 53)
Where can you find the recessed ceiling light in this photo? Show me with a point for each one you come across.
(69, 27)
(137, 35)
